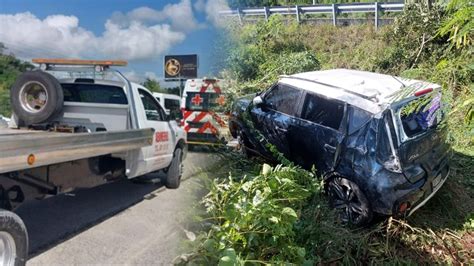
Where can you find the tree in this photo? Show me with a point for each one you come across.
(153, 85)
(459, 25)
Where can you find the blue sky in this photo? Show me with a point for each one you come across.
(141, 32)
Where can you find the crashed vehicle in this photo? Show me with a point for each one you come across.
(377, 140)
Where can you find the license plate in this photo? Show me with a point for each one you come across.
(436, 181)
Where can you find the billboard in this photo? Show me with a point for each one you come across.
(181, 66)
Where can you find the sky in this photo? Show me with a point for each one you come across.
(140, 31)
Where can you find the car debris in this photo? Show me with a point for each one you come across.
(377, 140)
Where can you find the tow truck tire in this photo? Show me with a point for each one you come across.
(13, 239)
(36, 96)
(175, 170)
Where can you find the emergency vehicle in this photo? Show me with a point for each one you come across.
(202, 105)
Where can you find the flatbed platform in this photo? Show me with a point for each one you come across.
(24, 149)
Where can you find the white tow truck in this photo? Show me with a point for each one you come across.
(76, 124)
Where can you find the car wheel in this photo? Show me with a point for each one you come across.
(36, 97)
(349, 201)
(13, 239)
(175, 170)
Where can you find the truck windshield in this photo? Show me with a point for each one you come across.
(93, 93)
(420, 114)
(203, 101)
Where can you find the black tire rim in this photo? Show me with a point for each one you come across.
(346, 201)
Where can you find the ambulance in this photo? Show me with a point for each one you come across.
(202, 105)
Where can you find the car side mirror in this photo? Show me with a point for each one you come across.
(257, 101)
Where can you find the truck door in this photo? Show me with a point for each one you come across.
(318, 135)
(160, 154)
(274, 118)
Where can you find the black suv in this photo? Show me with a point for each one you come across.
(376, 139)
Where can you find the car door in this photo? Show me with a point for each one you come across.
(275, 116)
(318, 132)
(158, 155)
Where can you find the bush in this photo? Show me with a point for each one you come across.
(255, 216)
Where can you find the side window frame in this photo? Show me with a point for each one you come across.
(343, 126)
(161, 112)
(301, 91)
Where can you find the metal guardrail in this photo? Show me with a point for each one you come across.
(333, 9)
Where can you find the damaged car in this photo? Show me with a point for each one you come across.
(377, 140)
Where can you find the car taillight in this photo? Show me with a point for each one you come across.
(423, 91)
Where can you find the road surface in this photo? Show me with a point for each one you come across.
(117, 223)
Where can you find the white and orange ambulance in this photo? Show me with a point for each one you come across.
(202, 105)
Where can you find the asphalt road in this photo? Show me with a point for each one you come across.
(117, 223)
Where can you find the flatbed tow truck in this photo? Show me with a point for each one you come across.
(77, 124)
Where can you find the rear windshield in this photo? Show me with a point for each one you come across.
(203, 101)
(421, 114)
(94, 93)
(171, 104)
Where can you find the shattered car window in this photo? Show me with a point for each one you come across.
(357, 118)
(419, 115)
(283, 99)
(322, 111)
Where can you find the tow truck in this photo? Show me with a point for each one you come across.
(78, 124)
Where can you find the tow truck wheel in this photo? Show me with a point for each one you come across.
(36, 96)
(175, 170)
(13, 239)
(349, 201)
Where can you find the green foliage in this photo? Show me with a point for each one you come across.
(10, 68)
(459, 25)
(255, 216)
(154, 86)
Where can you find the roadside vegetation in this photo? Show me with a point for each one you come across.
(259, 214)
(10, 68)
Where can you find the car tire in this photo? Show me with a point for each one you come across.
(13, 239)
(36, 96)
(350, 203)
(175, 170)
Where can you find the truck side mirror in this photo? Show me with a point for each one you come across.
(257, 101)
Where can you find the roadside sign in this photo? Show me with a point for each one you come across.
(179, 67)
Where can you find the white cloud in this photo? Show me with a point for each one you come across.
(138, 41)
(212, 8)
(56, 35)
(134, 76)
(141, 34)
(151, 75)
(180, 16)
(140, 78)
(200, 5)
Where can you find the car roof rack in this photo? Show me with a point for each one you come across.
(370, 98)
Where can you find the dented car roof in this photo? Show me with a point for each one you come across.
(369, 91)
